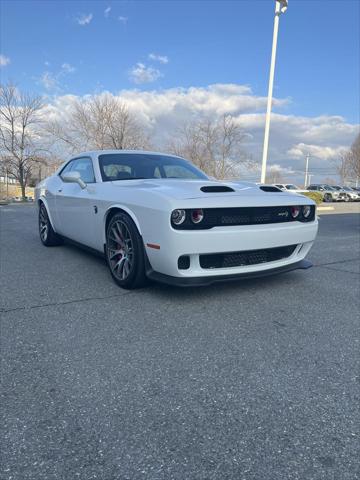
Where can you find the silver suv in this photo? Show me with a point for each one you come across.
(329, 194)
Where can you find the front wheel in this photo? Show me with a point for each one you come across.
(125, 252)
(47, 235)
(327, 197)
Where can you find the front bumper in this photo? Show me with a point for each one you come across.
(204, 281)
(174, 244)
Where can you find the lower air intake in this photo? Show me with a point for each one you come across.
(245, 258)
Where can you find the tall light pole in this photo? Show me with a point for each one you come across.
(280, 7)
(306, 170)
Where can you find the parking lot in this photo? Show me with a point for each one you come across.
(254, 380)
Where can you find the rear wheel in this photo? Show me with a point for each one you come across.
(47, 235)
(125, 252)
(327, 197)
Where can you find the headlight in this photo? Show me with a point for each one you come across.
(197, 215)
(178, 217)
(306, 211)
(295, 212)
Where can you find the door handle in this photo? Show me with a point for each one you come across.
(60, 190)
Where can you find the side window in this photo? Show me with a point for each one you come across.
(85, 167)
(67, 168)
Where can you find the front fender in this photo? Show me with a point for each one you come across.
(43, 200)
(125, 209)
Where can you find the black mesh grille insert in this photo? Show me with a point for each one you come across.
(250, 257)
(221, 217)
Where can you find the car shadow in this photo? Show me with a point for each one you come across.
(248, 286)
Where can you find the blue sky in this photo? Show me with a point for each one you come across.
(205, 42)
(173, 60)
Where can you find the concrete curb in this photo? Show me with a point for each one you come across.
(339, 208)
(321, 209)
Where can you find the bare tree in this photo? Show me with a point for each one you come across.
(97, 123)
(20, 120)
(354, 159)
(274, 175)
(348, 166)
(342, 167)
(214, 146)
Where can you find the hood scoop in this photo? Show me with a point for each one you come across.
(216, 189)
(269, 188)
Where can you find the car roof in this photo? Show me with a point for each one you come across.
(96, 153)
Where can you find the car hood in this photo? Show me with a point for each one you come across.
(192, 189)
(188, 189)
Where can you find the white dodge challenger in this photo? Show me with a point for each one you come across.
(157, 216)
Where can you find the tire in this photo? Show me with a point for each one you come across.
(124, 252)
(327, 198)
(47, 235)
(347, 198)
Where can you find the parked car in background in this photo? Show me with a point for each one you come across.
(330, 194)
(352, 194)
(341, 189)
(157, 215)
(290, 187)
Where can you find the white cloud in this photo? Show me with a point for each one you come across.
(67, 68)
(163, 112)
(123, 19)
(49, 81)
(107, 12)
(322, 152)
(140, 73)
(158, 58)
(4, 60)
(85, 19)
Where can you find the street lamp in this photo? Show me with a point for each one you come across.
(280, 7)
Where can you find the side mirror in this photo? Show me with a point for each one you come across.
(73, 177)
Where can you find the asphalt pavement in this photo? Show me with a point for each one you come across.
(253, 380)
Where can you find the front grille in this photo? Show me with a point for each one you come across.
(245, 258)
(221, 217)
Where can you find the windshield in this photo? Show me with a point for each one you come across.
(327, 187)
(348, 189)
(292, 187)
(132, 166)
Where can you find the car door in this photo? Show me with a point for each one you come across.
(75, 205)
